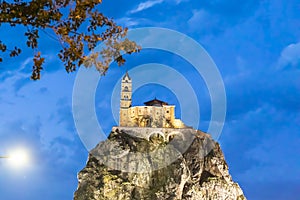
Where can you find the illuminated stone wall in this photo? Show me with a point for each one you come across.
(145, 116)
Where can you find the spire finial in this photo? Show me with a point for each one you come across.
(126, 75)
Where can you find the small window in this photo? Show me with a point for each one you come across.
(167, 111)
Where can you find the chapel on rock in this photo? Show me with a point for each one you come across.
(154, 113)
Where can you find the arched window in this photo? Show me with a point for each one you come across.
(126, 89)
(154, 136)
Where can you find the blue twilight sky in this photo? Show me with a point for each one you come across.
(256, 46)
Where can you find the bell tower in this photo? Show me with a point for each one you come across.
(125, 102)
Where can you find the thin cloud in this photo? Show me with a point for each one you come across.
(146, 5)
(290, 56)
(133, 22)
(198, 17)
(203, 21)
(127, 21)
(180, 1)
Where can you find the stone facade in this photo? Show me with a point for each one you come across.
(154, 113)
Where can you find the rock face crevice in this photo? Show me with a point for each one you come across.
(200, 172)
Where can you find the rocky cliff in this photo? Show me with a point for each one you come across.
(188, 166)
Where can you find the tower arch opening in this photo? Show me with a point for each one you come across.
(175, 135)
(156, 136)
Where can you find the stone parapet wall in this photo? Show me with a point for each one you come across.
(146, 132)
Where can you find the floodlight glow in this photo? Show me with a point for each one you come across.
(18, 158)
